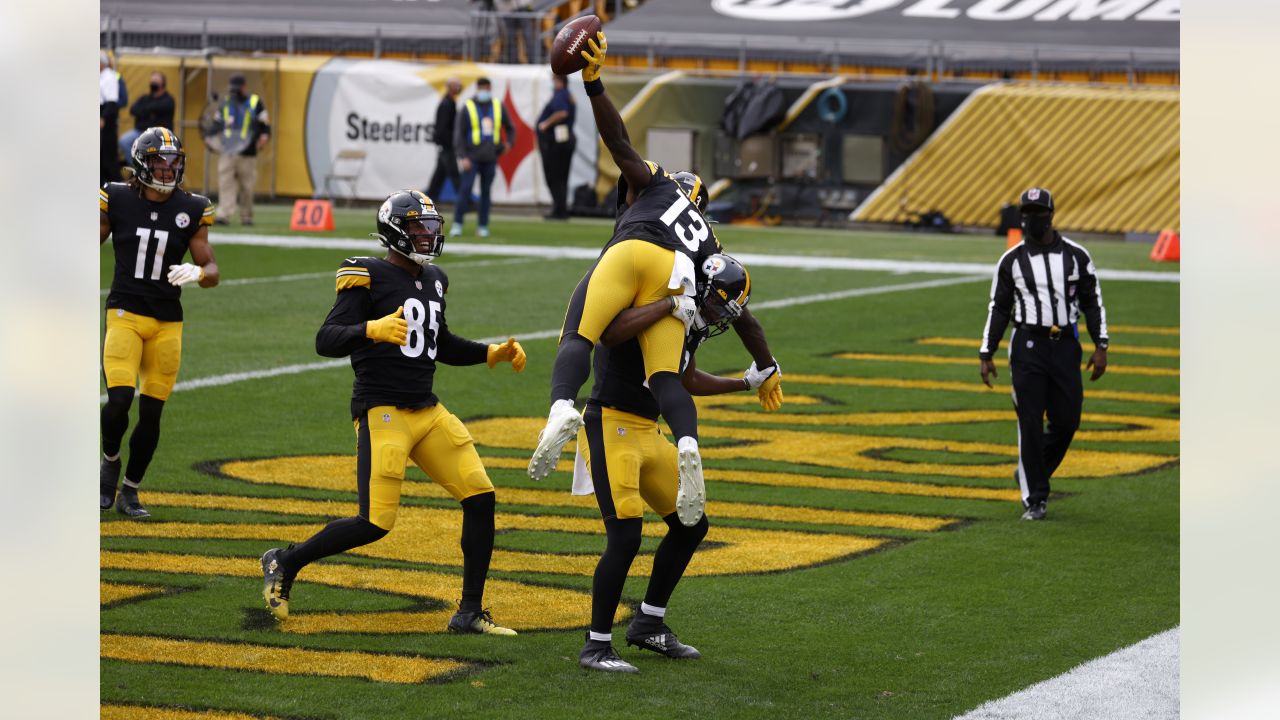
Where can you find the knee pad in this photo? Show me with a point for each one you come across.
(383, 520)
(169, 355)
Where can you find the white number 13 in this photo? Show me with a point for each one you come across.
(692, 235)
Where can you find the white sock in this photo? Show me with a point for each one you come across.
(130, 483)
(600, 637)
(648, 609)
(111, 458)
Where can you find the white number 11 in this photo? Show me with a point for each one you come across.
(144, 239)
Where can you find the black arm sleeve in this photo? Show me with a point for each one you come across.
(999, 309)
(1090, 294)
(456, 350)
(343, 330)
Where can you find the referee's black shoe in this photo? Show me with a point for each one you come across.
(1034, 512)
(600, 655)
(646, 634)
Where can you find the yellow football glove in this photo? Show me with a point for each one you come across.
(392, 328)
(767, 384)
(770, 393)
(509, 351)
(594, 58)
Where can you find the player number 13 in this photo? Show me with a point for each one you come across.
(414, 315)
(693, 234)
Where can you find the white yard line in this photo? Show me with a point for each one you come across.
(229, 378)
(803, 262)
(1139, 682)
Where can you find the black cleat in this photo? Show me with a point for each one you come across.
(108, 481)
(1034, 512)
(599, 655)
(129, 505)
(276, 585)
(476, 622)
(659, 638)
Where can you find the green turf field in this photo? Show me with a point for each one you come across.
(865, 558)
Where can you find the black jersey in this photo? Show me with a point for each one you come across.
(147, 238)
(663, 215)
(620, 382)
(389, 374)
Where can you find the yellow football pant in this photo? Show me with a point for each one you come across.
(140, 346)
(630, 274)
(639, 465)
(433, 438)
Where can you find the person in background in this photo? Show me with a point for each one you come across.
(108, 114)
(556, 143)
(481, 134)
(244, 128)
(154, 109)
(446, 160)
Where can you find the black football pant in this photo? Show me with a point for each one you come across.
(446, 169)
(556, 161)
(1046, 383)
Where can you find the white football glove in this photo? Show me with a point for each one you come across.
(755, 378)
(185, 273)
(686, 311)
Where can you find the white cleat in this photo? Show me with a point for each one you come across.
(562, 426)
(691, 499)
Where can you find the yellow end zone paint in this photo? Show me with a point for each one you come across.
(969, 387)
(430, 536)
(335, 472)
(110, 592)
(1148, 351)
(952, 360)
(515, 604)
(142, 712)
(400, 669)
(848, 451)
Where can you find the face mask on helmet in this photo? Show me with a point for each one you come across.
(723, 293)
(158, 160)
(409, 225)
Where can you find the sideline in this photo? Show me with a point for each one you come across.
(1140, 681)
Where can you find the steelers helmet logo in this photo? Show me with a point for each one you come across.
(182, 220)
(384, 212)
(713, 266)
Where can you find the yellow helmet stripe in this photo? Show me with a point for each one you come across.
(697, 188)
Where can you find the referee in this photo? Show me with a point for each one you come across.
(1043, 284)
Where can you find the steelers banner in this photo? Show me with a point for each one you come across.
(386, 109)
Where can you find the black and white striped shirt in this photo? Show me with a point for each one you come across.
(1044, 286)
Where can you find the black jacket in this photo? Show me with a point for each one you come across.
(150, 111)
(446, 112)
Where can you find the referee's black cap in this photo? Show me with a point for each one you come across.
(1036, 197)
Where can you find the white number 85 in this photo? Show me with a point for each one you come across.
(414, 314)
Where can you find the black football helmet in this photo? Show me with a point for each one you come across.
(158, 159)
(724, 287)
(409, 224)
(693, 187)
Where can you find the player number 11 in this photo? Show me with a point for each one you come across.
(144, 239)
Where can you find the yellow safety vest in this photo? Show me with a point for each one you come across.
(248, 117)
(475, 122)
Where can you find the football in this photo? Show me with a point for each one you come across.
(566, 51)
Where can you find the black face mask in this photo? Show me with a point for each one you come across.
(155, 87)
(238, 94)
(1037, 227)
